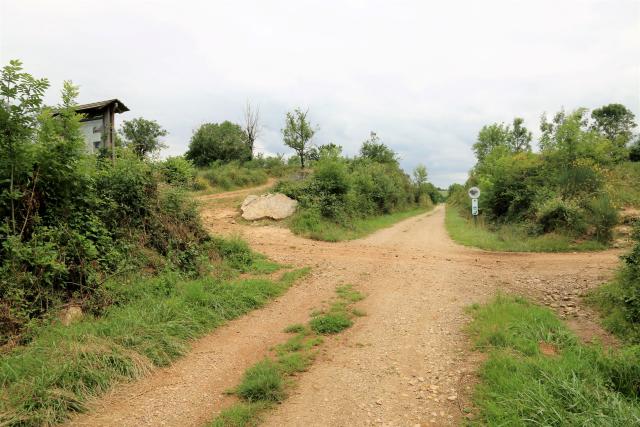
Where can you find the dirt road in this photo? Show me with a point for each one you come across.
(407, 363)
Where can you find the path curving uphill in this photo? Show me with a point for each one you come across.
(408, 362)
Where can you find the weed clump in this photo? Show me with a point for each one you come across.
(331, 323)
(262, 382)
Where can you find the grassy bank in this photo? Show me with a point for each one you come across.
(622, 184)
(510, 238)
(152, 325)
(226, 177)
(268, 381)
(538, 373)
(308, 224)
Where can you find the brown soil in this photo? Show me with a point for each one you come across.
(408, 362)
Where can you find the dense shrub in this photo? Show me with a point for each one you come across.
(634, 151)
(567, 187)
(603, 216)
(620, 299)
(70, 220)
(178, 171)
(561, 215)
(341, 189)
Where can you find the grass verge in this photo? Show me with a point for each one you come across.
(510, 238)
(538, 373)
(266, 382)
(308, 224)
(152, 326)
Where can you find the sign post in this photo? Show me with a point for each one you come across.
(474, 193)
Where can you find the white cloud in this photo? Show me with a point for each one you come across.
(425, 75)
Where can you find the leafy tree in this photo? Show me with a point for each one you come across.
(615, 121)
(519, 137)
(329, 151)
(489, 138)
(21, 100)
(142, 136)
(375, 150)
(297, 133)
(420, 174)
(225, 142)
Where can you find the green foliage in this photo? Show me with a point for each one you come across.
(297, 133)
(374, 150)
(603, 217)
(621, 184)
(142, 136)
(634, 151)
(580, 385)
(224, 142)
(620, 300)
(70, 220)
(490, 137)
(234, 175)
(178, 171)
(503, 138)
(346, 198)
(561, 215)
(615, 121)
(571, 187)
(273, 165)
(508, 237)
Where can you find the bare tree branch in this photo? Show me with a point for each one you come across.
(252, 127)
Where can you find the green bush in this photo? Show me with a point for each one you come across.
(560, 215)
(178, 171)
(620, 299)
(634, 151)
(604, 217)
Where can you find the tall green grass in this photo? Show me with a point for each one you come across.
(579, 385)
(230, 176)
(309, 223)
(64, 366)
(510, 238)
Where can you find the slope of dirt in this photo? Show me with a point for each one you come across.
(408, 362)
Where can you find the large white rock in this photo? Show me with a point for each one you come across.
(274, 206)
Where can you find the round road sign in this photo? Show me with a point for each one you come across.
(474, 192)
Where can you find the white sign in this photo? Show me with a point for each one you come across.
(474, 192)
(474, 206)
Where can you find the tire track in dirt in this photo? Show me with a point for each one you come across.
(408, 362)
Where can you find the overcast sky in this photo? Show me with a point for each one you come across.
(425, 75)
